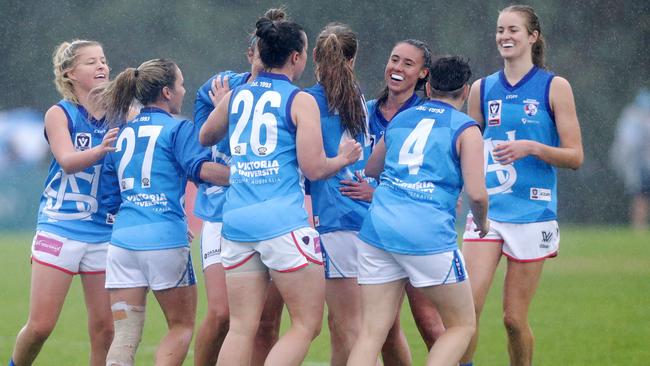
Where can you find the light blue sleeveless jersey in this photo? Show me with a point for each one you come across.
(413, 209)
(155, 156)
(210, 198)
(71, 203)
(266, 196)
(525, 191)
(378, 123)
(332, 210)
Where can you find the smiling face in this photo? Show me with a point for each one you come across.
(512, 36)
(89, 69)
(405, 66)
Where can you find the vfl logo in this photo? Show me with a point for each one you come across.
(494, 112)
(547, 236)
(82, 141)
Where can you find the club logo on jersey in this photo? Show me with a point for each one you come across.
(262, 150)
(82, 141)
(540, 194)
(237, 150)
(110, 218)
(146, 183)
(494, 112)
(530, 107)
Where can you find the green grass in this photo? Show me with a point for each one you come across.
(592, 307)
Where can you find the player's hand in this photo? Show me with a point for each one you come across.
(190, 236)
(481, 227)
(218, 89)
(108, 142)
(349, 151)
(510, 151)
(357, 190)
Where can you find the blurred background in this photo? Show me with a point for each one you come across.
(601, 47)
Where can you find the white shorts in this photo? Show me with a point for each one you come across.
(377, 266)
(340, 253)
(210, 243)
(519, 242)
(157, 269)
(285, 253)
(67, 255)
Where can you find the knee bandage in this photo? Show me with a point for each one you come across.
(128, 321)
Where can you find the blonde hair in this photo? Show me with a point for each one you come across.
(63, 60)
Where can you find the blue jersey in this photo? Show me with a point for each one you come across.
(266, 197)
(155, 156)
(211, 198)
(70, 204)
(332, 210)
(525, 191)
(378, 123)
(413, 209)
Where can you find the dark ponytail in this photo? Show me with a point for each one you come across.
(336, 45)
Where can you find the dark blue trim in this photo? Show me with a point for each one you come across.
(547, 97)
(290, 125)
(482, 100)
(408, 104)
(528, 76)
(154, 110)
(458, 267)
(466, 125)
(248, 76)
(271, 75)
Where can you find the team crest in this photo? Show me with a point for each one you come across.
(530, 107)
(494, 112)
(82, 141)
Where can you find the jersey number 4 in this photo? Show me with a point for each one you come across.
(412, 152)
(128, 136)
(260, 119)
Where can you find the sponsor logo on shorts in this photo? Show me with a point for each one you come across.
(48, 245)
(212, 253)
(110, 218)
(494, 112)
(82, 141)
(540, 194)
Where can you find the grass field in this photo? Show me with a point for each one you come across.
(592, 307)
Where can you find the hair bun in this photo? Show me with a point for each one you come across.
(266, 29)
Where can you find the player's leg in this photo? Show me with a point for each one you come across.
(100, 318)
(214, 327)
(639, 211)
(520, 286)
(128, 310)
(454, 302)
(179, 306)
(379, 305)
(247, 279)
(342, 292)
(49, 286)
(395, 351)
(425, 315)
(98, 303)
(268, 331)
(482, 257)
(442, 279)
(295, 264)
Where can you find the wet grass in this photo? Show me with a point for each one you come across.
(592, 307)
